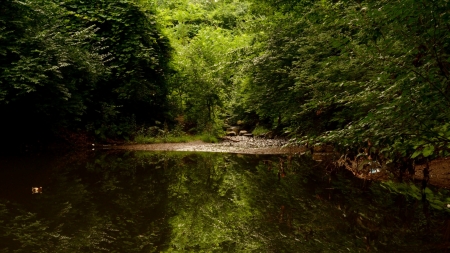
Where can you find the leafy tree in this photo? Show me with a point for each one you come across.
(206, 36)
(134, 91)
(97, 65)
(355, 74)
(47, 71)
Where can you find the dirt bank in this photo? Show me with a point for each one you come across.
(439, 172)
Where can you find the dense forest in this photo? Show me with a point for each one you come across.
(355, 74)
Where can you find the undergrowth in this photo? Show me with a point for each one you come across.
(260, 130)
(141, 139)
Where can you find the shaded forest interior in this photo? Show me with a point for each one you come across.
(368, 76)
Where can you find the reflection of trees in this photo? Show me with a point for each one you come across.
(113, 203)
(153, 202)
(235, 204)
(243, 209)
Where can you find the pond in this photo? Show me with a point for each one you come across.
(140, 201)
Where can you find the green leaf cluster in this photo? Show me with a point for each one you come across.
(351, 73)
(208, 38)
(96, 66)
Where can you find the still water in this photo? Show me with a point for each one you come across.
(210, 202)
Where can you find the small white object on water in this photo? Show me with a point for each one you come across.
(35, 190)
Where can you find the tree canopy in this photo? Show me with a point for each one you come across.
(78, 65)
(354, 74)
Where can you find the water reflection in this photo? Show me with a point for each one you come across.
(208, 202)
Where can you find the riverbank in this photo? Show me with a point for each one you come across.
(439, 172)
(439, 168)
(234, 144)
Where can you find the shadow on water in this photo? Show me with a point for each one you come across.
(209, 202)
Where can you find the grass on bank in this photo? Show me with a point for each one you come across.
(142, 139)
(260, 130)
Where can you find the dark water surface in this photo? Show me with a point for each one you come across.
(210, 202)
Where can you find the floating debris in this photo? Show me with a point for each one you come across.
(35, 190)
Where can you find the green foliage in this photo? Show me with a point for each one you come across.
(353, 73)
(157, 135)
(134, 89)
(94, 65)
(206, 38)
(47, 70)
(259, 130)
(141, 139)
(437, 199)
(206, 137)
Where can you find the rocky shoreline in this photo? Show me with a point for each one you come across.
(439, 168)
(229, 144)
